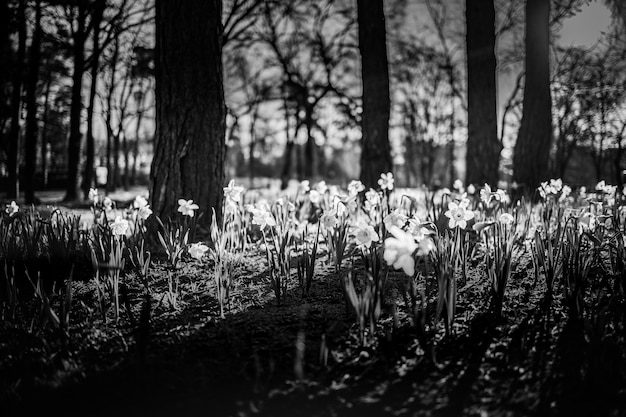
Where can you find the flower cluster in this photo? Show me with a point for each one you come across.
(487, 195)
(554, 189)
(232, 195)
(605, 188)
(143, 208)
(395, 218)
(261, 216)
(402, 247)
(119, 226)
(372, 200)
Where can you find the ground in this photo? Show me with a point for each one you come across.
(198, 364)
(305, 358)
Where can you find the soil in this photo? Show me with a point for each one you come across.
(304, 358)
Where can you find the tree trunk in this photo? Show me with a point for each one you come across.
(375, 148)
(44, 133)
(190, 110)
(30, 140)
(4, 50)
(73, 148)
(300, 162)
(288, 155)
(140, 98)
(483, 146)
(619, 179)
(450, 145)
(109, 183)
(310, 148)
(116, 161)
(16, 106)
(89, 180)
(255, 115)
(126, 151)
(532, 149)
(111, 153)
(452, 175)
(133, 168)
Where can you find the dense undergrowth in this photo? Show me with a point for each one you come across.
(320, 302)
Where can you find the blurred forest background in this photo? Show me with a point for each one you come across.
(304, 91)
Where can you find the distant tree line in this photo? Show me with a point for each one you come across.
(288, 82)
(50, 51)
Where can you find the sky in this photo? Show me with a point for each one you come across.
(586, 27)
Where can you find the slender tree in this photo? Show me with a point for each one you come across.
(532, 150)
(16, 105)
(90, 150)
(79, 36)
(190, 110)
(30, 138)
(112, 139)
(375, 148)
(483, 146)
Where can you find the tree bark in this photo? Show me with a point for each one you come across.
(117, 181)
(289, 147)
(88, 180)
(30, 139)
(254, 116)
(74, 145)
(532, 149)
(126, 150)
(140, 99)
(483, 146)
(376, 151)
(190, 110)
(310, 147)
(112, 153)
(44, 132)
(16, 106)
(4, 49)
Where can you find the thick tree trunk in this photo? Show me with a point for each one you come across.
(4, 50)
(375, 148)
(483, 146)
(73, 148)
(190, 111)
(30, 139)
(16, 106)
(532, 150)
(89, 180)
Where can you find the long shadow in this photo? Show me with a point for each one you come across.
(480, 337)
(198, 367)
